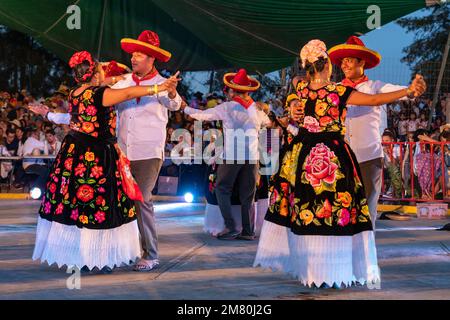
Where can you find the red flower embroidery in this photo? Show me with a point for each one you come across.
(91, 110)
(100, 216)
(52, 188)
(80, 169)
(59, 209)
(96, 172)
(334, 112)
(68, 164)
(99, 201)
(85, 193)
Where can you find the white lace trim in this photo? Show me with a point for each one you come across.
(315, 260)
(72, 246)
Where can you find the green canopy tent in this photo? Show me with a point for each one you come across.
(261, 35)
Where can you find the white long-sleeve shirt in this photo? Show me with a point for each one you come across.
(366, 124)
(241, 128)
(141, 129)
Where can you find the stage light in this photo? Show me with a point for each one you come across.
(188, 197)
(35, 193)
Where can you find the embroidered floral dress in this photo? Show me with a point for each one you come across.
(318, 223)
(85, 216)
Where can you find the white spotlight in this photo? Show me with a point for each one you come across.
(35, 193)
(188, 197)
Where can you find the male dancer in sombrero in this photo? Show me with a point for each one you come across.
(363, 123)
(142, 132)
(241, 155)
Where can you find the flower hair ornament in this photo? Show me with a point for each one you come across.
(312, 51)
(80, 57)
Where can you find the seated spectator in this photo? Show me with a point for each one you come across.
(35, 169)
(11, 143)
(51, 144)
(424, 164)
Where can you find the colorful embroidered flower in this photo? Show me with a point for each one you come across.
(333, 98)
(344, 198)
(305, 92)
(344, 217)
(87, 127)
(96, 172)
(101, 190)
(85, 193)
(311, 124)
(284, 210)
(325, 211)
(321, 108)
(353, 216)
(100, 201)
(80, 169)
(292, 200)
(47, 207)
(91, 110)
(340, 89)
(68, 164)
(131, 213)
(365, 210)
(306, 216)
(100, 216)
(87, 94)
(71, 147)
(324, 121)
(334, 112)
(322, 93)
(52, 188)
(312, 95)
(319, 167)
(89, 156)
(59, 208)
(102, 181)
(83, 219)
(74, 215)
(274, 197)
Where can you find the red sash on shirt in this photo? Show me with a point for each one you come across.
(245, 103)
(149, 76)
(349, 83)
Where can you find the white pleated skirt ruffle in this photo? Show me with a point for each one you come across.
(214, 222)
(72, 246)
(316, 260)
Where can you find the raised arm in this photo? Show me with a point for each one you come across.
(115, 96)
(416, 88)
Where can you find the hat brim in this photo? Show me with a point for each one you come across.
(130, 45)
(341, 51)
(227, 80)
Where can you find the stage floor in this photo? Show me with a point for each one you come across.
(414, 261)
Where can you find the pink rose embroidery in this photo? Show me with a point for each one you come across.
(311, 124)
(100, 216)
(333, 98)
(319, 167)
(344, 218)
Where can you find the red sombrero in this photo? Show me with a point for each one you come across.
(354, 48)
(147, 43)
(240, 81)
(113, 68)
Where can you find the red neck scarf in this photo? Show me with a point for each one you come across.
(245, 103)
(138, 80)
(349, 83)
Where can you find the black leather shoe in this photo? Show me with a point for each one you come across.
(248, 237)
